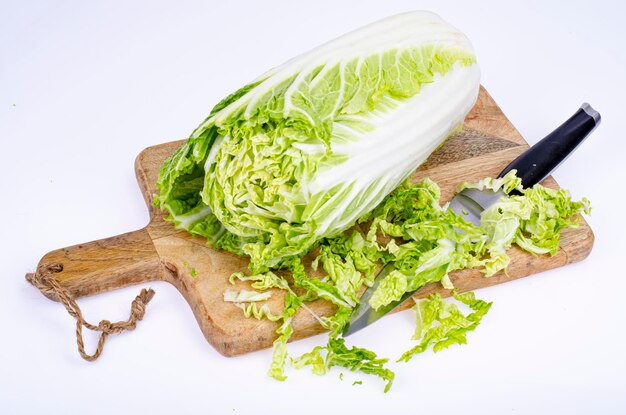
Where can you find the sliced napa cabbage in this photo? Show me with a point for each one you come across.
(303, 151)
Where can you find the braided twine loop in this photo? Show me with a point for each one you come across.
(44, 280)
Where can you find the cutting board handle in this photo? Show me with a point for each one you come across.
(103, 265)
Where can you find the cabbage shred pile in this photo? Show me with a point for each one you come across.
(425, 242)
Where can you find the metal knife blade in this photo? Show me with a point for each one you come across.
(532, 166)
(468, 204)
(364, 315)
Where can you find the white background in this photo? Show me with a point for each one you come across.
(85, 86)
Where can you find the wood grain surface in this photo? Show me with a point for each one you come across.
(160, 252)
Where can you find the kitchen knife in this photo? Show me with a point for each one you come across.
(532, 166)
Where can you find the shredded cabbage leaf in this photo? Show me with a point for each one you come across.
(242, 296)
(440, 324)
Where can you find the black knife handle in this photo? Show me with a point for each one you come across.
(536, 163)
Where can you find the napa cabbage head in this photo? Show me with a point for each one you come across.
(303, 151)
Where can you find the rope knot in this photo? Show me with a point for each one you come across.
(105, 326)
(138, 307)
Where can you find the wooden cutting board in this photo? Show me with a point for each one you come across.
(158, 252)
